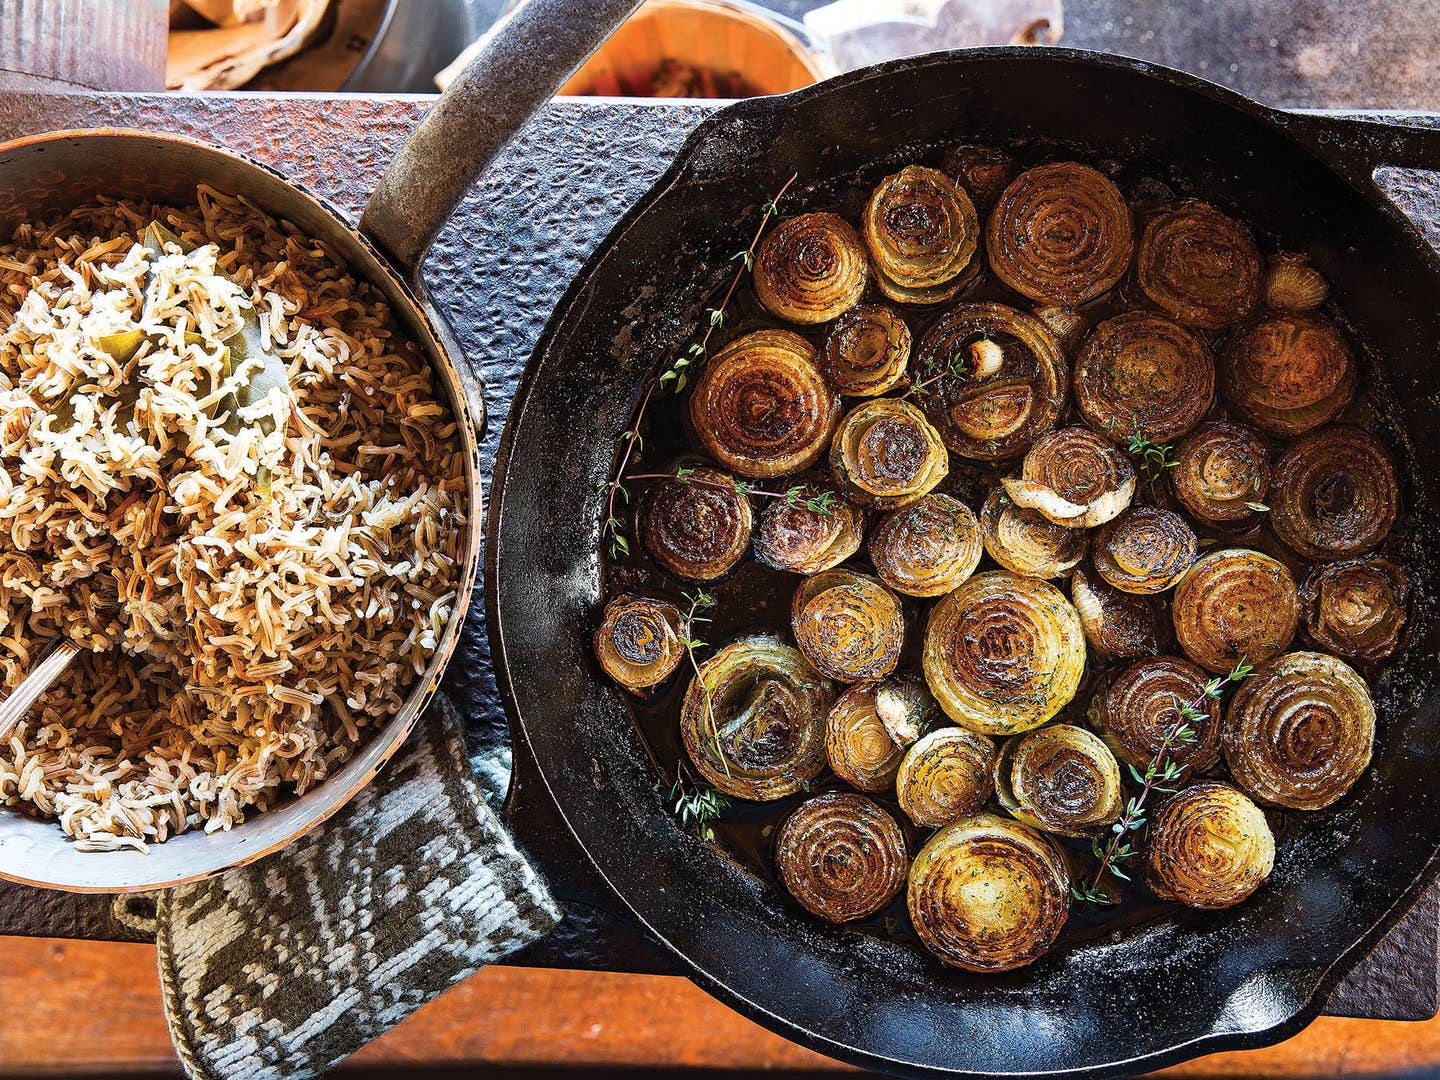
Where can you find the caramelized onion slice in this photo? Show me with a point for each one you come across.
(1142, 706)
(1209, 847)
(1024, 542)
(1199, 265)
(927, 548)
(1334, 494)
(1235, 604)
(794, 535)
(866, 351)
(1066, 325)
(1060, 234)
(983, 171)
(1298, 733)
(1117, 625)
(760, 732)
(1059, 778)
(1142, 374)
(1075, 478)
(848, 625)
(988, 894)
(1356, 608)
(1146, 549)
(945, 775)
(842, 856)
(761, 406)
(885, 454)
(859, 747)
(811, 268)
(906, 708)
(1288, 372)
(697, 529)
(1292, 284)
(1220, 470)
(922, 232)
(994, 416)
(638, 642)
(1003, 653)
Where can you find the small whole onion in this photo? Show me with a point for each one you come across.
(1199, 265)
(928, 547)
(638, 642)
(1209, 847)
(848, 625)
(842, 856)
(945, 775)
(1059, 778)
(811, 268)
(1356, 608)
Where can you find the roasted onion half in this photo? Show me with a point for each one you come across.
(842, 856)
(1199, 265)
(983, 171)
(1235, 604)
(1117, 625)
(1298, 733)
(761, 406)
(922, 232)
(1356, 608)
(946, 775)
(759, 733)
(638, 643)
(1024, 542)
(866, 351)
(795, 535)
(1209, 847)
(811, 268)
(1075, 478)
(1220, 470)
(1142, 705)
(698, 528)
(886, 454)
(906, 708)
(988, 893)
(859, 747)
(1143, 374)
(1003, 653)
(1334, 494)
(927, 548)
(997, 415)
(1146, 549)
(1060, 234)
(1059, 778)
(848, 625)
(1288, 372)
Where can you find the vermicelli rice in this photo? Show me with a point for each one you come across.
(257, 586)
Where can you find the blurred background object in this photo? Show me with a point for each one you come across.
(75, 44)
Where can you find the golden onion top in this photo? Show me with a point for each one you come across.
(638, 642)
(1059, 778)
(996, 415)
(866, 351)
(1146, 549)
(885, 454)
(1060, 234)
(1334, 493)
(922, 232)
(1075, 478)
(697, 528)
(1235, 605)
(1288, 372)
(1117, 625)
(928, 547)
(802, 536)
(983, 171)
(842, 856)
(859, 747)
(761, 406)
(1199, 265)
(1024, 542)
(1298, 733)
(1220, 470)
(988, 893)
(810, 268)
(945, 775)
(1143, 374)
(1142, 705)
(759, 732)
(1209, 847)
(1003, 653)
(848, 625)
(1356, 608)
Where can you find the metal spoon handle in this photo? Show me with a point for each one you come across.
(50, 667)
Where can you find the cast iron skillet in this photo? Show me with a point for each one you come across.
(1127, 999)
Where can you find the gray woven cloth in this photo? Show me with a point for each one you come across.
(284, 967)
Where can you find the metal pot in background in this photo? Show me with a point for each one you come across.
(83, 44)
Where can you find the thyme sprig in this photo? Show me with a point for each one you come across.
(700, 601)
(695, 804)
(1151, 459)
(677, 376)
(1160, 771)
(822, 502)
(957, 367)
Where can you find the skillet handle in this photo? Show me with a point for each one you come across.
(527, 58)
(1355, 148)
